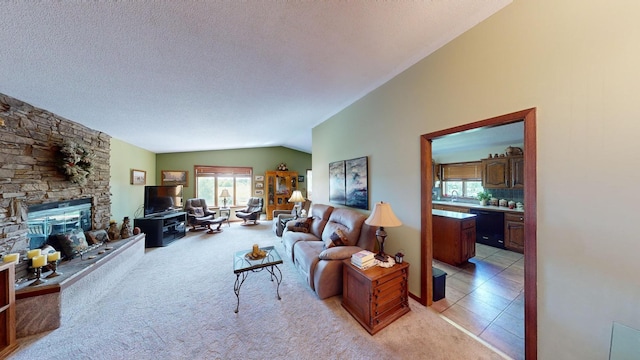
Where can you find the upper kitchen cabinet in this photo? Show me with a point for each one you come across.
(516, 165)
(495, 173)
(503, 172)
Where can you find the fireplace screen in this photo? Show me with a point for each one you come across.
(57, 218)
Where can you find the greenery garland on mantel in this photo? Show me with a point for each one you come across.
(75, 161)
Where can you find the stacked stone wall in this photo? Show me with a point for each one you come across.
(29, 141)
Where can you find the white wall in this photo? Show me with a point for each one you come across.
(578, 62)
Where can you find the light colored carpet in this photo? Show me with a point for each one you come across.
(178, 303)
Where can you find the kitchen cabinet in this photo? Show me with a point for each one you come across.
(495, 173)
(503, 172)
(454, 237)
(514, 232)
(516, 169)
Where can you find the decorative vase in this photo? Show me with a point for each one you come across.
(483, 202)
(113, 232)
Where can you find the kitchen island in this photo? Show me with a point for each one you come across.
(454, 236)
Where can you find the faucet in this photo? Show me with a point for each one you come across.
(454, 195)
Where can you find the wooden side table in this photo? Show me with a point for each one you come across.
(377, 296)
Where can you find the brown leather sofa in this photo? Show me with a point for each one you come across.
(321, 267)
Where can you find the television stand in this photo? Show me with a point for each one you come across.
(162, 230)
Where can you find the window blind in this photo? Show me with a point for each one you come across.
(202, 170)
(462, 171)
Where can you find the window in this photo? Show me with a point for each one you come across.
(462, 179)
(212, 180)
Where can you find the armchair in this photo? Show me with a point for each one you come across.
(280, 217)
(252, 211)
(198, 214)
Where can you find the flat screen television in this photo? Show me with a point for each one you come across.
(161, 200)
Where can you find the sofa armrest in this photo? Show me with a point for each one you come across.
(281, 212)
(339, 252)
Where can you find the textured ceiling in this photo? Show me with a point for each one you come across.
(172, 76)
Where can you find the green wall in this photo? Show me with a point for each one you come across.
(127, 199)
(577, 63)
(260, 159)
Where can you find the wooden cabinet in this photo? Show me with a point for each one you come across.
(503, 173)
(516, 169)
(514, 232)
(459, 209)
(377, 296)
(7, 310)
(454, 238)
(495, 173)
(280, 186)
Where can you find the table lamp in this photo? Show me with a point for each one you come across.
(382, 216)
(296, 198)
(224, 195)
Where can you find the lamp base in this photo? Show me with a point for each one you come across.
(381, 257)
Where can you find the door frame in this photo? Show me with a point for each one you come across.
(530, 217)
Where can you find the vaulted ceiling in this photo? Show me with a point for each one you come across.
(173, 76)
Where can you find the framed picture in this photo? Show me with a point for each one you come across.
(356, 182)
(174, 177)
(138, 177)
(259, 178)
(259, 192)
(259, 185)
(336, 182)
(300, 178)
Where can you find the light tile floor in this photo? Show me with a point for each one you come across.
(486, 297)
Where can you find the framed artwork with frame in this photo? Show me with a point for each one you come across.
(259, 192)
(259, 178)
(138, 177)
(174, 177)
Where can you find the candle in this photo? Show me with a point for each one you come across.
(38, 261)
(51, 257)
(13, 257)
(33, 253)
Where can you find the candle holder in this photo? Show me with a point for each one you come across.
(55, 272)
(39, 280)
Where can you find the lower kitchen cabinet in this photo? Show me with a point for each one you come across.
(514, 232)
(454, 237)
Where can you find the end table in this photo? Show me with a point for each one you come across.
(377, 296)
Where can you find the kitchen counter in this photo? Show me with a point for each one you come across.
(476, 206)
(452, 214)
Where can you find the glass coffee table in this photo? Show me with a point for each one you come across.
(243, 265)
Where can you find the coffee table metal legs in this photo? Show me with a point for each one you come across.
(272, 271)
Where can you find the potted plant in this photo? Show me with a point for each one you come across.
(484, 197)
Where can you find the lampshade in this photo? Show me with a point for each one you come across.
(296, 197)
(383, 216)
(225, 193)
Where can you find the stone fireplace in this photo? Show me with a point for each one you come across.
(29, 141)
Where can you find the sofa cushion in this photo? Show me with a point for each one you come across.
(338, 252)
(306, 258)
(302, 226)
(349, 221)
(337, 238)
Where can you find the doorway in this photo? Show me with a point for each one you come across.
(530, 268)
